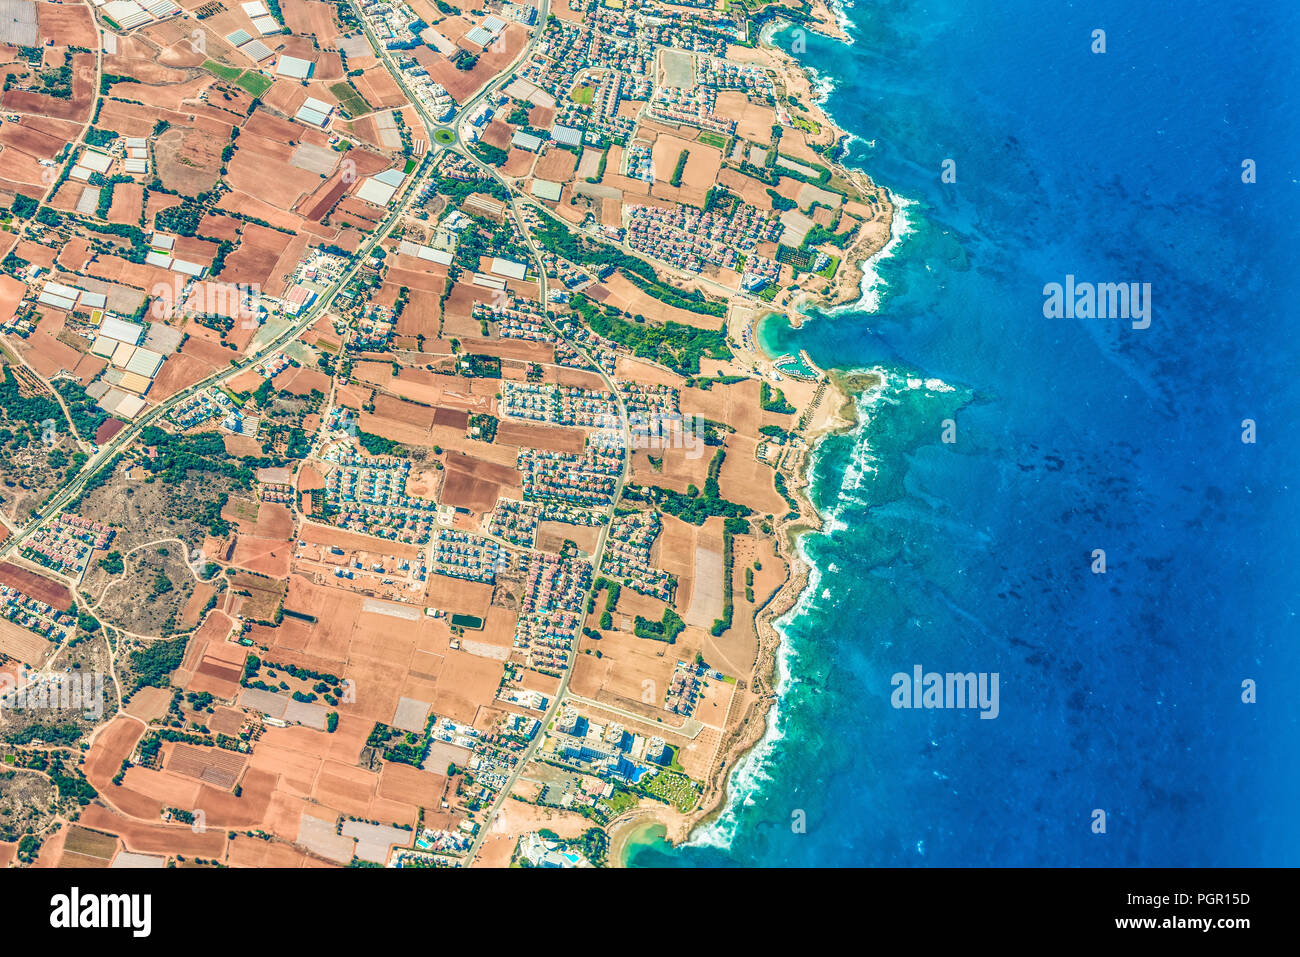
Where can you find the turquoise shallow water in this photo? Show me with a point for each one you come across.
(1119, 692)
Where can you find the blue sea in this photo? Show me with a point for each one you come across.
(1120, 692)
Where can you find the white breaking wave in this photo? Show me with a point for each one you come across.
(933, 385)
(862, 465)
(823, 85)
(839, 8)
(853, 141)
(872, 285)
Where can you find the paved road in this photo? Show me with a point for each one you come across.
(689, 728)
(601, 542)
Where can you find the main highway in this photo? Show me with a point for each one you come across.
(70, 491)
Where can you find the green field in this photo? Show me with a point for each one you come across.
(713, 139)
(674, 764)
(254, 83)
(676, 179)
(445, 137)
(231, 73)
(583, 95)
(350, 101)
(250, 80)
